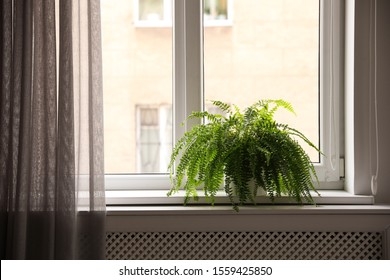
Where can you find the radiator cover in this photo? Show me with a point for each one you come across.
(244, 245)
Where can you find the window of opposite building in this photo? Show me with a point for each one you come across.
(158, 13)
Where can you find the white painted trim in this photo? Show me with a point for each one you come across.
(349, 95)
(331, 78)
(188, 63)
(137, 182)
(159, 197)
(251, 210)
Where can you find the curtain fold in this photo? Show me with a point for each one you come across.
(52, 203)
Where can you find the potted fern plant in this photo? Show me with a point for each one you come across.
(244, 152)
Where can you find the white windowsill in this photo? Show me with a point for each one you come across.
(342, 212)
(249, 210)
(159, 198)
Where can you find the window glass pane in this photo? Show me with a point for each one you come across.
(137, 84)
(271, 51)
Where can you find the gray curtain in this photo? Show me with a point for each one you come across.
(52, 202)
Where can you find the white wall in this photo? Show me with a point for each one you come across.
(364, 142)
(383, 90)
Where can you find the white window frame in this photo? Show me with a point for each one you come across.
(188, 83)
(330, 170)
(168, 9)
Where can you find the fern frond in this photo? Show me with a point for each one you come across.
(221, 105)
(239, 150)
(205, 115)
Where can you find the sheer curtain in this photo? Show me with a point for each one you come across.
(52, 171)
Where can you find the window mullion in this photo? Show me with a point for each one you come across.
(188, 64)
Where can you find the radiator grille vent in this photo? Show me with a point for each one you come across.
(243, 245)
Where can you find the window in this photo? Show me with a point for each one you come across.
(278, 49)
(150, 13)
(217, 12)
(158, 13)
(154, 138)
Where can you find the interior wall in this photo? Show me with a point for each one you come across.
(383, 98)
(364, 129)
(361, 98)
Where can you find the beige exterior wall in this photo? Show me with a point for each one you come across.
(269, 51)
